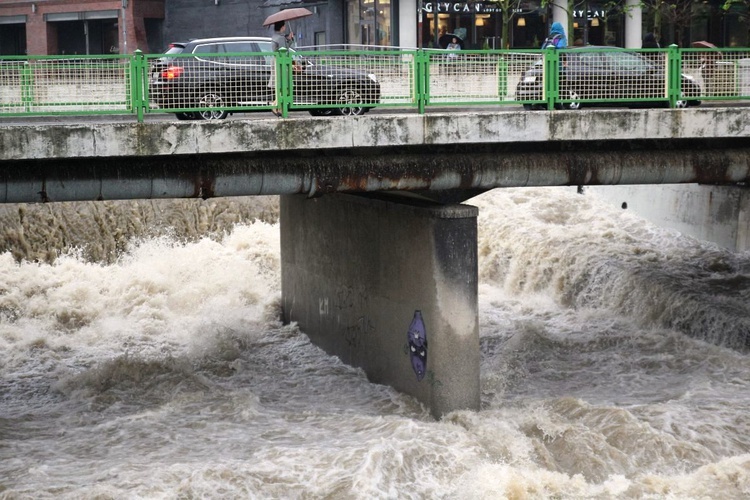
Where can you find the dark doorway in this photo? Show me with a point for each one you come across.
(154, 35)
(13, 40)
(95, 36)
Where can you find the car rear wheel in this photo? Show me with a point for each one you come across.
(186, 116)
(212, 99)
(350, 96)
(690, 90)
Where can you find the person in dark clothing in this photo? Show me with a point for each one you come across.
(650, 42)
(444, 38)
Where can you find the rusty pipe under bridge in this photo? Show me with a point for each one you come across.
(447, 174)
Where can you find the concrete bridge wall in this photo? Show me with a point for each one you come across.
(390, 287)
(720, 214)
(371, 132)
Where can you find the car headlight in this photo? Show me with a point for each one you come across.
(529, 79)
(372, 77)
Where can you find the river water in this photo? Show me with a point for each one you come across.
(141, 356)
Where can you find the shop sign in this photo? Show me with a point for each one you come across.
(460, 7)
(579, 14)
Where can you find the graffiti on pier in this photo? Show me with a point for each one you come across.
(355, 334)
(434, 382)
(349, 298)
(347, 306)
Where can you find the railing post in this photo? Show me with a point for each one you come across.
(421, 79)
(284, 90)
(502, 78)
(674, 75)
(27, 86)
(552, 73)
(138, 84)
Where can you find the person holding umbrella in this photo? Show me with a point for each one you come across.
(715, 84)
(280, 37)
(282, 40)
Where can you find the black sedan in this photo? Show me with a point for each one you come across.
(607, 76)
(218, 83)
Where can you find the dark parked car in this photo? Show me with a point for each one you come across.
(208, 80)
(606, 73)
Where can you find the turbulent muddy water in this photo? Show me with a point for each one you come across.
(141, 356)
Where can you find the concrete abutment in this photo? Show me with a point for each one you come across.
(720, 214)
(390, 287)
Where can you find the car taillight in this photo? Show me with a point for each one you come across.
(172, 72)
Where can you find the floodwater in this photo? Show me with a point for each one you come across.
(141, 356)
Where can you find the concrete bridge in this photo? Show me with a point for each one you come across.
(382, 270)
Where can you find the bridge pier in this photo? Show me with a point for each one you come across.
(390, 287)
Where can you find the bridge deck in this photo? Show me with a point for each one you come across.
(381, 152)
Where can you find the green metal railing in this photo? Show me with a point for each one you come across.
(336, 81)
(39, 85)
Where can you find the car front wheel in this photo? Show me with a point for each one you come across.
(213, 100)
(350, 96)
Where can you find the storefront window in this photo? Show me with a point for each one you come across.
(478, 24)
(385, 36)
(369, 22)
(483, 25)
(590, 27)
(530, 27)
(736, 32)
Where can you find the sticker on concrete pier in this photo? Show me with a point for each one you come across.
(418, 345)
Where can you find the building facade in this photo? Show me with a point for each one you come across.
(67, 27)
(122, 26)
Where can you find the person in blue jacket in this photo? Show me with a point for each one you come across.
(556, 37)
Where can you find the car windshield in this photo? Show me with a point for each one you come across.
(588, 58)
(628, 62)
